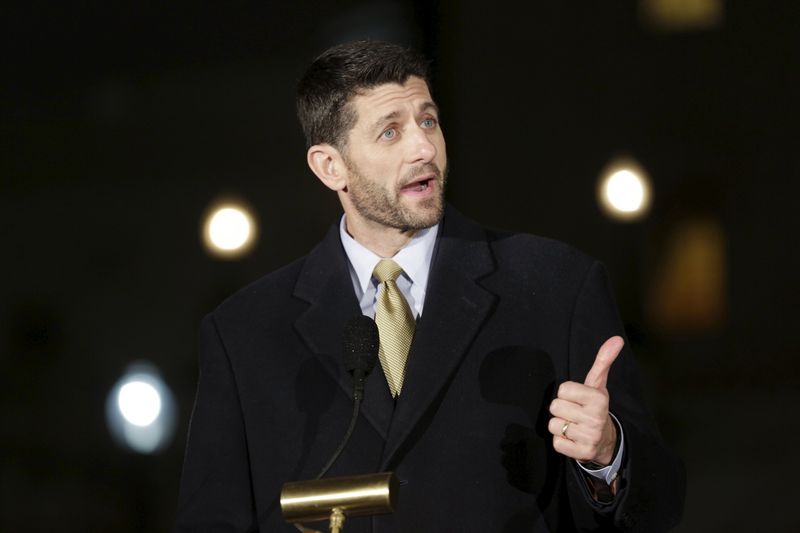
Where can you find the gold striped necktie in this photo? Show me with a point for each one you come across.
(395, 324)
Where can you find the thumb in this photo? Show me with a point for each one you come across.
(606, 355)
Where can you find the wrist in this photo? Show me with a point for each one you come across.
(608, 450)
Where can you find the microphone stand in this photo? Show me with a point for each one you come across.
(336, 498)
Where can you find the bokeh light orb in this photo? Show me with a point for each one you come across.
(624, 191)
(141, 413)
(139, 402)
(229, 229)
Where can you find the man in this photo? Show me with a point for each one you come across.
(516, 406)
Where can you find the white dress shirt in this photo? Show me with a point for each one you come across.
(415, 260)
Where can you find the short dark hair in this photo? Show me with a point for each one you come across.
(341, 72)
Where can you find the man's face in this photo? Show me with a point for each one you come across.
(395, 157)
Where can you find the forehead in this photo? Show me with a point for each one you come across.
(390, 97)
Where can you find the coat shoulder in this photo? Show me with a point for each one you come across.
(520, 257)
(515, 249)
(265, 296)
(529, 249)
(531, 264)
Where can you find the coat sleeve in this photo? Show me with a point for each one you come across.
(216, 490)
(651, 486)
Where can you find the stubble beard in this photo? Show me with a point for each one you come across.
(384, 206)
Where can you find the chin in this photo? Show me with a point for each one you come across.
(424, 217)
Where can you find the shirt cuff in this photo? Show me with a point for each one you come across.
(609, 473)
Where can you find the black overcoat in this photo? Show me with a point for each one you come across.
(506, 318)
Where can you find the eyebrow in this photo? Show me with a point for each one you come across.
(383, 120)
(426, 106)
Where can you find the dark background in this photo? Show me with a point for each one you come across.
(121, 124)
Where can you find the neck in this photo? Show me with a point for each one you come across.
(381, 240)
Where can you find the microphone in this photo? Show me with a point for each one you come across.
(360, 495)
(360, 352)
(360, 343)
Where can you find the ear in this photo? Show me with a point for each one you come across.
(326, 162)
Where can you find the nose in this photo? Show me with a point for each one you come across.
(422, 149)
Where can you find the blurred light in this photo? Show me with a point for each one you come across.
(682, 15)
(140, 410)
(688, 291)
(139, 403)
(229, 230)
(624, 190)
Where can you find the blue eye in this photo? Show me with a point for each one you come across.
(389, 134)
(429, 123)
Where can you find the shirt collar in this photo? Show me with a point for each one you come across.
(414, 258)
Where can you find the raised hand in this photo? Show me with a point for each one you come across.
(581, 426)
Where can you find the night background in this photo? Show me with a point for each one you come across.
(121, 124)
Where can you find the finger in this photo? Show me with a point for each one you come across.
(581, 394)
(556, 426)
(574, 431)
(582, 442)
(606, 355)
(566, 410)
(570, 448)
(593, 417)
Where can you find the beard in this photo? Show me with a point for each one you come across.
(383, 205)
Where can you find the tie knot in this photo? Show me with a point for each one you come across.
(386, 270)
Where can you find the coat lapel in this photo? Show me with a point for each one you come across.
(455, 309)
(325, 284)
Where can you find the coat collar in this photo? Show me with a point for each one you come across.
(325, 284)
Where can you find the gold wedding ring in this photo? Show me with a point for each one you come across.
(564, 429)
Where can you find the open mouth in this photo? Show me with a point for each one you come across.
(418, 186)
